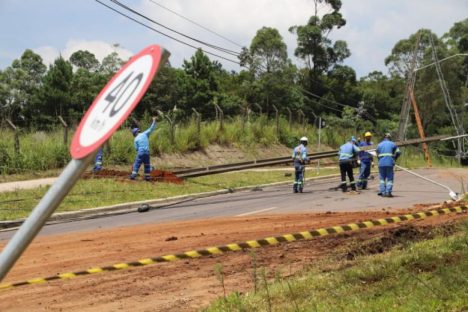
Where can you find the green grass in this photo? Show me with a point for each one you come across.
(102, 192)
(42, 151)
(430, 275)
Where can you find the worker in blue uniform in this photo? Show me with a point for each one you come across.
(347, 154)
(141, 143)
(366, 160)
(300, 157)
(98, 160)
(387, 152)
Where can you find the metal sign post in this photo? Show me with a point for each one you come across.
(109, 110)
(41, 213)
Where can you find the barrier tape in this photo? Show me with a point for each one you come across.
(274, 240)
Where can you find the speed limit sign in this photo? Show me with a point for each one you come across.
(116, 101)
(108, 111)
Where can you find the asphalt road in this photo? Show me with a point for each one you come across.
(317, 197)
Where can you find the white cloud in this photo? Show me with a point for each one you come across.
(374, 27)
(99, 48)
(237, 20)
(48, 54)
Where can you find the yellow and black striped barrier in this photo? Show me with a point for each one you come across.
(274, 240)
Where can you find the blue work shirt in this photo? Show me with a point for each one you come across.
(387, 152)
(299, 154)
(141, 141)
(363, 155)
(348, 151)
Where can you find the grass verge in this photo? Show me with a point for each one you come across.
(103, 192)
(429, 275)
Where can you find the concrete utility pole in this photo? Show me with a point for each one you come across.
(405, 108)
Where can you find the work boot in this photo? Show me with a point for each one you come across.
(131, 177)
(389, 195)
(380, 194)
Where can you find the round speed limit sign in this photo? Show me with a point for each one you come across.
(116, 101)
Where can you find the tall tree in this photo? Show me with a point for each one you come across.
(313, 45)
(321, 55)
(21, 82)
(269, 53)
(111, 63)
(85, 59)
(55, 95)
(273, 75)
(199, 83)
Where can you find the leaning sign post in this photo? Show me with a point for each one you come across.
(109, 110)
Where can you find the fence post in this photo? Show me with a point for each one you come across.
(198, 119)
(65, 130)
(259, 108)
(17, 143)
(135, 122)
(221, 117)
(215, 104)
(277, 121)
(171, 126)
(289, 118)
(301, 113)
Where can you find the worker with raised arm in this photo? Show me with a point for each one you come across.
(300, 157)
(141, 143)
(387, 152)
(366, 160)
(347, 154)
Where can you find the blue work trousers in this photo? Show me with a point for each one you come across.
(142, 159)
(298, 177)
(364, 173)
(98, 160)
(386, 179)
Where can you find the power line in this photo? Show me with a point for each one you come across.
(166, 35)
(195, 23)
(214, 47)
(125, 7)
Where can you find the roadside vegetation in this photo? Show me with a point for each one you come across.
(41, 152)
(428, 275)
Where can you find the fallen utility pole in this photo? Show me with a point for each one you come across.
(202, 171)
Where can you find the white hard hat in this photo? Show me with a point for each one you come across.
(304, 139)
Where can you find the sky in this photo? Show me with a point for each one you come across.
(61, 27)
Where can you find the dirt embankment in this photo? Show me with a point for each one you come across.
(218, 155)
(183, 285)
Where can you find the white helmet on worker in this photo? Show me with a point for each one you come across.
(304, 140)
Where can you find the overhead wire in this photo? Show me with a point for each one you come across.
(195, 23)
(166, 35)
(217, 48)
(125, 7)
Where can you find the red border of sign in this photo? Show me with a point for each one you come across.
(76, 150)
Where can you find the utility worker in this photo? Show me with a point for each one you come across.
(141, 143)
(299, 156)
(387, 152)
(366, 160)
(347, 154)
(98, 161)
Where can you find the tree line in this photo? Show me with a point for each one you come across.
(33, 95)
